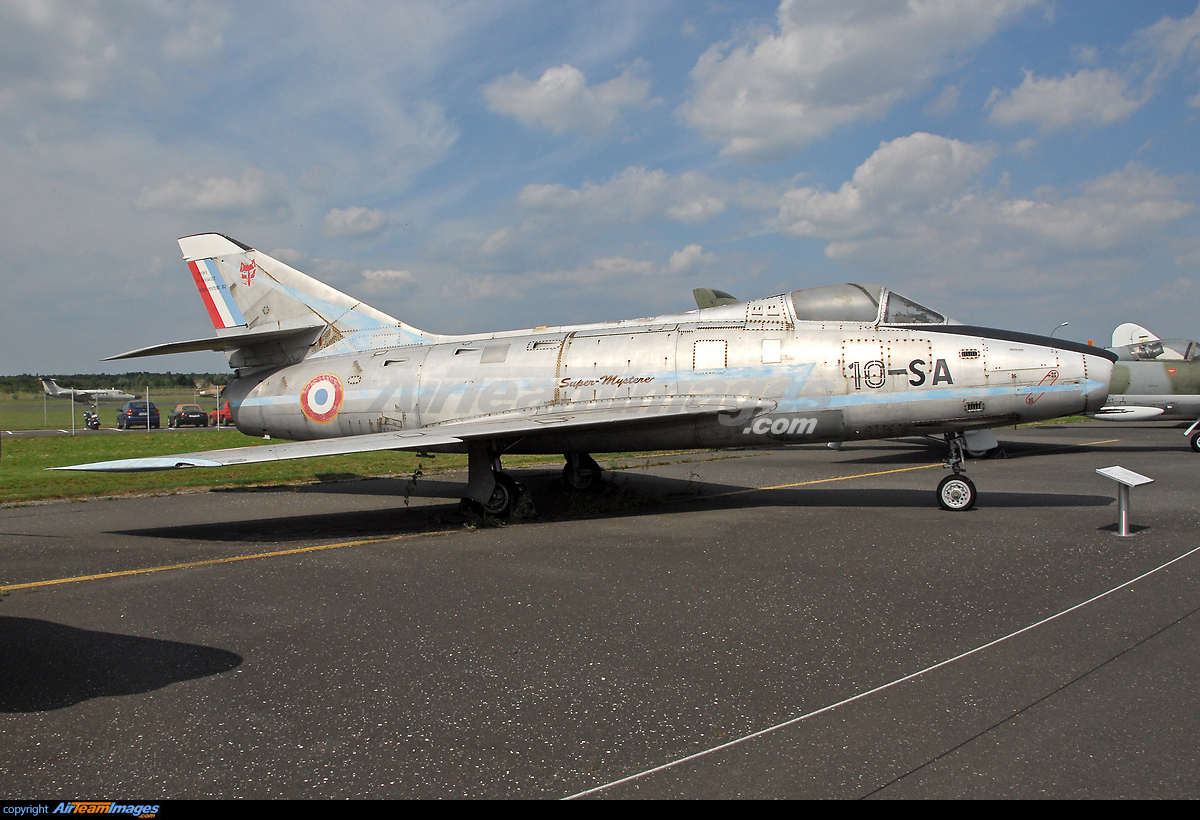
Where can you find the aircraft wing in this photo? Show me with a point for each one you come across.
(652, 409)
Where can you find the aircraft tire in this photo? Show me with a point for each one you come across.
(582, 474)
(956, 493)
(504, 497)
(1194, 441)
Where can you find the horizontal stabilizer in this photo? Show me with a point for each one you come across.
(304, 336)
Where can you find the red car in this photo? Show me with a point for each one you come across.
(223, 415)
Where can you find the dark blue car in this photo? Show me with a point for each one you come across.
(132, 416)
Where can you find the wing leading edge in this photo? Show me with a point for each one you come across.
(438, 436)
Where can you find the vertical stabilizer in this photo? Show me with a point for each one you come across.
(245, 291)
(1131, 334)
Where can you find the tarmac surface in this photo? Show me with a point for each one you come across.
(794, 623)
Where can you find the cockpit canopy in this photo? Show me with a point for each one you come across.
(1161, 350)
(861, 303)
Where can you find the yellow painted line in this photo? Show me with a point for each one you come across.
(214, 561)
(1106, 441)
(820, 480)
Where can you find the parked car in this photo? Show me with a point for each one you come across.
(187, 415)
(132, 415)
(224, 415)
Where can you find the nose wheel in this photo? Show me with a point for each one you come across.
(956, 492)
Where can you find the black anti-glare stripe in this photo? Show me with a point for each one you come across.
(1012, 336)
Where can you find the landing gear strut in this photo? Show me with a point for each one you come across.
(582, 473)
(489, 489)
(956, 492)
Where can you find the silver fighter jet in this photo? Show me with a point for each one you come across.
(1154, 380)
(828, 364)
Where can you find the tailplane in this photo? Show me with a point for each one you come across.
(268, 313)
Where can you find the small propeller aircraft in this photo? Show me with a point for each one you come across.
(1154, 380)
(87, 396)
(827, 364)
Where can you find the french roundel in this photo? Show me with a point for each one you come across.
(321, 398)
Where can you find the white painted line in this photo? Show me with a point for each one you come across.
(877, 689)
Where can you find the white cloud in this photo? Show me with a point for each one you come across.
(1171, 40)
(633, 195)
(829, 63)
(561, 100)
(907, 178)
(402, 277)
(253, 195)
(354, 221)
(945, 103)
(75, 51)
(688, 258)
(916, 209)
(1088, 97)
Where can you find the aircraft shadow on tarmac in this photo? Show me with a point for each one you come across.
(52, 666)
(628, 494)
(924, 452)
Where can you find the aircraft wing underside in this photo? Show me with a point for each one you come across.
(435, 436)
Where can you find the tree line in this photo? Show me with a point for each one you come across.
(129, 382)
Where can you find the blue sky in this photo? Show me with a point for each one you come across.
(488, 165)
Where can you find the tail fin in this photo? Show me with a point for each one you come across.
(50, 387)
(248, 293)
(1131, 334)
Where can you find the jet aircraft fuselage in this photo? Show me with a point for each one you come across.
(834, 363)
(782, 379)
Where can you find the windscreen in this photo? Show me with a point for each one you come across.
(901, 311)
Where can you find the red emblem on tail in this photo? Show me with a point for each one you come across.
(248, 269)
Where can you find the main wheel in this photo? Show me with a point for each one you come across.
(582, 474)
(956, 493)
(1195, 442)
(504, 496)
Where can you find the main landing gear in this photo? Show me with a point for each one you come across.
(581, 473)
(956, 492)
(490, 490)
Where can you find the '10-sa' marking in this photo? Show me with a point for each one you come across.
(874, 373)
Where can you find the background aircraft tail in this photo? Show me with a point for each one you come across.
(1131, 334)
(268, 313)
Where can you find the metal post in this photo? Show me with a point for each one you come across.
(73, 411)
(147, 408)
(1123, 502)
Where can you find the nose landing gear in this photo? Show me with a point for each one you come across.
(956, 492)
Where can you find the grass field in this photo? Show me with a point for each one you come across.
(35, 411)
(24, 478)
